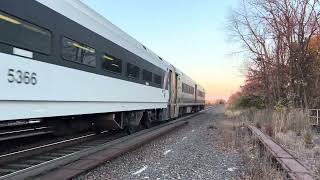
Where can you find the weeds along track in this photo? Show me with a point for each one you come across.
(294, 169)
(39, 160)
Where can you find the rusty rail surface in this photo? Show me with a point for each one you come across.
(289, 163)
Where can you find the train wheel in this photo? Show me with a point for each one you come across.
(147, 122)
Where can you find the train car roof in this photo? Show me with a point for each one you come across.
(87, 17)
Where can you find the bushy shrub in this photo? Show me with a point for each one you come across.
(245, 102)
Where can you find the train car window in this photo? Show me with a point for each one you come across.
(133, 71)
(201, 94)
(88, 57)
(157, 79)
(69, 51)
(191, 90)
(187, 89)
(19, 33)
(111, 63)
(76, 52)
(147, 76)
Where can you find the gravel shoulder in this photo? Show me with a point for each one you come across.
(191, 152)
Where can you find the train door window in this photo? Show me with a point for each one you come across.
(157, 79)
(21, 34)
(76, 52)
(191, 90)
(147, 76)
(133, 71)
(111, 63)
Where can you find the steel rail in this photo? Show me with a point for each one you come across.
(82, 151)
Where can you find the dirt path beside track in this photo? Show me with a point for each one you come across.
(191, 152)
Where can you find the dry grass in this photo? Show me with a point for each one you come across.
(229, 130)
(269, 130)
(281, 121)
(291, 129)
(258, 165)
(317, 171)
(308, 139)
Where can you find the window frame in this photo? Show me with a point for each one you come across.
(143, 75)
(80, 44)
(128, 74)
(188, 89)
(154, 79)
(117, 59)
(33, 25)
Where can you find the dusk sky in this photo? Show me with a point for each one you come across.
(192, 35)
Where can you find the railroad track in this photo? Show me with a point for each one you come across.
(35, 161)
(6, 135)
(22, 164)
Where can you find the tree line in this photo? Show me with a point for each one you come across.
(281, 40)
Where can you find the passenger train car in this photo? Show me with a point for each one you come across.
(64, 65)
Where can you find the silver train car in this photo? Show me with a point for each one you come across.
(65, 66)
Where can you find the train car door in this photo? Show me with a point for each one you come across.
(177, 102)
(173, 93)
(196, 93)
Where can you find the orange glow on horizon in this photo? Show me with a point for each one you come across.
(221, 90)
(219, 84)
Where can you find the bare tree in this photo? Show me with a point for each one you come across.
(277, 35)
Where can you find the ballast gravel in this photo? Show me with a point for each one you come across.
(190, 152)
